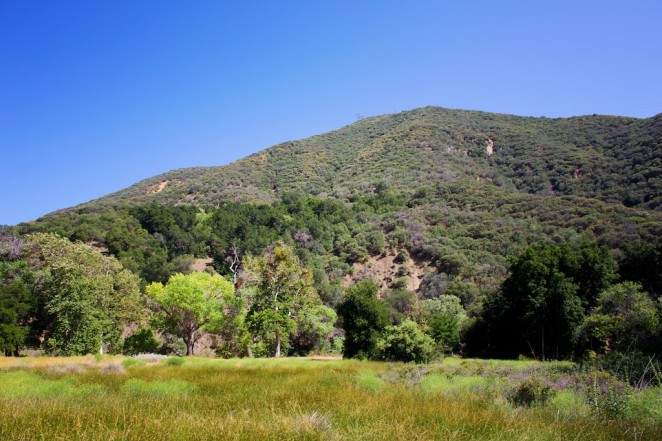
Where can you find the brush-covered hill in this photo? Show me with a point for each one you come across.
(612, 159)
(430, 200)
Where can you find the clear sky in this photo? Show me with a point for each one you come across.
(97, 95)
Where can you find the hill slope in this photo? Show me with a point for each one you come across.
(613, 159)
(431, 200)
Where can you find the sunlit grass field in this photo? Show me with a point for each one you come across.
(152, 398)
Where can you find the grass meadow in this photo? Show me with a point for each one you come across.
(155, 398)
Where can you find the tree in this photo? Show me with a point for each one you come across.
(402, 303)
(540, 305)
(16, 303)
(83, 298)
(364, 317)
(443, 317)
(625, 316)
(315, 327)
(642, 263)
(406, 342)
(141, 341)
(191, 303)
(16, 300)
(283, 289)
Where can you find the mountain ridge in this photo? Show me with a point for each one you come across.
(552, 156)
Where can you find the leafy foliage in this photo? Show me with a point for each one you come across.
(406, 342)
(85, 297)
(530, 392)
(364, 318)
(191, 303)
(16, 305)
(543, 301)
(142, 341)
(625, 317)
(284, 300)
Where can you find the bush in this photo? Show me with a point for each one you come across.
(530, 392)
(141, 341)
(406, 342)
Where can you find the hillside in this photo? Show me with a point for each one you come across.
(432, 200)
(435, 206)
(613, 159)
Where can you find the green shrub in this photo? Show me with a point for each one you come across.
(370, 381)
(406, 342)
(132, 362)
(141, 341)
(530, 392)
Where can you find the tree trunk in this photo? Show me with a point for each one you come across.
(277, 343)
(190, 342)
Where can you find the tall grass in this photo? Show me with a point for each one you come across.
(303, 399)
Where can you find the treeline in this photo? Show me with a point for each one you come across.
(478, 249)
(67, 299)
(557, 302)
(463, 231)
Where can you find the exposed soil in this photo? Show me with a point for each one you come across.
(199, 265)
(384, 270)
(159, 188)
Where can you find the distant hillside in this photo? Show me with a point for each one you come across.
(612, 159)
(432, 200)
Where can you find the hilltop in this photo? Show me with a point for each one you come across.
(608, 158)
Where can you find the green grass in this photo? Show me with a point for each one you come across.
(370, 382)
(299, 398)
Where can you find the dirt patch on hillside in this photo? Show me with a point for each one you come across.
(159, 188)
(199, 265)
(386, 269)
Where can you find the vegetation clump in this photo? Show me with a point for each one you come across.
(530, 392)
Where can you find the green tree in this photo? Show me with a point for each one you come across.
(402, 303)
(364, 317)
(283, 290)
(84, 298)
(16, 304)
(191, 303)
(540, 305)
(642, 263)
(315, 328)
(625, 316)
(443, 318)
(141, 341)
(406, 342)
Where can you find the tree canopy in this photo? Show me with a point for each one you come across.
(85, 297)
(284, 297)
(364, 317)
(190, 303)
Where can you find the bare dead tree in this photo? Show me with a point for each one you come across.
(234, 262)
(11, 247)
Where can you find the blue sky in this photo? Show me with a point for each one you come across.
(95, 96)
